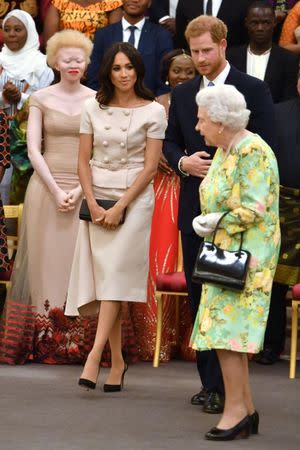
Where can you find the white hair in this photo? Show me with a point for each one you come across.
(224, 104)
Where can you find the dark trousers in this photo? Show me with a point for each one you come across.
(275, 331)
(207, 361)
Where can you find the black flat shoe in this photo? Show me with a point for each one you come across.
(254, 418)
(267, 357)
(214, 403)
(116, 387)
(240, 430)
(199, 398)
(85, 383)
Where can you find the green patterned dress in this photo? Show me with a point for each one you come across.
(246, 183)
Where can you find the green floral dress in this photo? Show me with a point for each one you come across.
(246, 183)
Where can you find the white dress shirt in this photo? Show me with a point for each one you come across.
(172, 11)
(220, 79)
(257, 64)
(137, 33)
(215, 6)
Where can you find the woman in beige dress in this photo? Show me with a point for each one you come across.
(120, 147)
(50, 219)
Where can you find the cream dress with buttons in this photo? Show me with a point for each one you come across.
(114, 264)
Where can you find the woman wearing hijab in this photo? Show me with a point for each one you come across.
(23, 70)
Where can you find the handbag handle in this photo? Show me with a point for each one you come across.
(217, 227)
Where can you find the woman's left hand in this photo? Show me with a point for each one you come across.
(112, 218)
(74, 195)
(163, 166)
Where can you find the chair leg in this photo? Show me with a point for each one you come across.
(159, 319)
(177, 320)
(294, 337)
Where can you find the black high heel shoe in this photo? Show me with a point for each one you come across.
(241, 430)
(116, 387)
(88, 384)
(254, 418)
(85, 383)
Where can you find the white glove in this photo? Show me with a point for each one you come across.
(205, 224)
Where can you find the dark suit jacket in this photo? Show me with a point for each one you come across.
(231, 12)
(182, 138)
(154, 43)
(287, 115)
(159, 9)
(281, 73)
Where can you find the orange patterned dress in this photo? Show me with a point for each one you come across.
(163, 259)
(86, 19)
(291, 22)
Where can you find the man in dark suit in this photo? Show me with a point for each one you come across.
(232, 13)
(152, 41)
(163, 12)
(262, 58)
(188, 155)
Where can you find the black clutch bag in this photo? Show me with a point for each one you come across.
(84, 212)
(225, 268)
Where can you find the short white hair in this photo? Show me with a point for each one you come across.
(224, 104)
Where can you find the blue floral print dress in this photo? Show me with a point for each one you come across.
(246, 183)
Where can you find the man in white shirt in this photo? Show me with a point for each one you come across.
(264, 59)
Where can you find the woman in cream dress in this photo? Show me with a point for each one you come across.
(50, 218)
(120, 147)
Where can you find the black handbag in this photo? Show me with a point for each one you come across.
(225, 268)
(84, 212)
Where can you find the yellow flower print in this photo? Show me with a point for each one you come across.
(263, 280)
(206, 321)
(260, 310)
(234, 200)
(246, 215)
(230, 163)
(276, 236)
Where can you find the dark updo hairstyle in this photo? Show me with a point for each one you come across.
(106, 91)
(167, 61)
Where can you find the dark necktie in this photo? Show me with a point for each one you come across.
(131, 39)
(209, 8)
(211, 83)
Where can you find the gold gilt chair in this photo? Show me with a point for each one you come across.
(13, 218)
(294, 332)
(170, 284)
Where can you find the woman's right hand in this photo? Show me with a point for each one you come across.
(61, 200)
(11, 93)
(97, 213)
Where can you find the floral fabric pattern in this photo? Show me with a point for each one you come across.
(85, 19)
(246, 183)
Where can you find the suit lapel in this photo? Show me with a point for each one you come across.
(118, 32)
(272, 66)
(144, 39)
(244, 59)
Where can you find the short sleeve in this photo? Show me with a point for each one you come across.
(34, 101)
(4, 141)
(86, 126)
(157, 123)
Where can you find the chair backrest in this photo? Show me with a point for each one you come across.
(179, 255)
(13, 218)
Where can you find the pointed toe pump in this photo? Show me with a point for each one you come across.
(87, 384)
(116, 387)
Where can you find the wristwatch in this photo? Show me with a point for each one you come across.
(183, 172)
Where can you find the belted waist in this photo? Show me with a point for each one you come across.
(116, 165)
